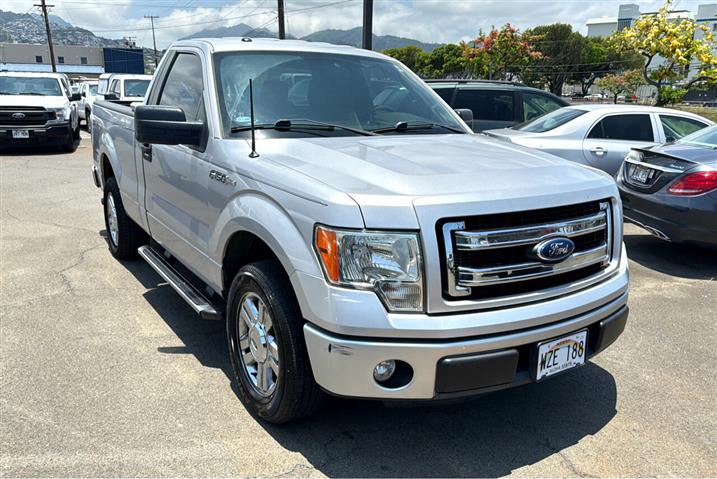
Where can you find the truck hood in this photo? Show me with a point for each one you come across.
(388, 174)
(34, 101)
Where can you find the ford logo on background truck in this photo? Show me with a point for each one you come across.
(554, 250)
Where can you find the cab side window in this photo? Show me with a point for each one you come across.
(624, 127)
(535, 105)
(493, 105)
(184, 86)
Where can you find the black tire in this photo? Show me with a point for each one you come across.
(76, 131)
(129, 235)
(69, 144)
(296, 394)
(88, 121)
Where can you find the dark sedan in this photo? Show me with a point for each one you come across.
(671, 190)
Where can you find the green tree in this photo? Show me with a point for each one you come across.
(412, 56)
(446, 61)
(600, 57)
(625, 83)
(562, 51)
(677, 44)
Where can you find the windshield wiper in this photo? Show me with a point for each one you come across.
(301, 124)
(405, 126)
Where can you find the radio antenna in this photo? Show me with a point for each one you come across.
(253, 153)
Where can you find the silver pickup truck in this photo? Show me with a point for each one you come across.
(353, 233)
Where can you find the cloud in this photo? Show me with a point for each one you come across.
(426, 20)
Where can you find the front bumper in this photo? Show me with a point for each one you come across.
(681, 219)
(344, 365)
(53, 134)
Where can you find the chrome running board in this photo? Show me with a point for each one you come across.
(196, 300)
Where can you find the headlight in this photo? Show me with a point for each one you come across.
(387, 263)
(634, 155)
(61, 113)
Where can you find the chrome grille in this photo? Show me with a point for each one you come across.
(495, 259)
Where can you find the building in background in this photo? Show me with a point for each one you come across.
(626, 16)
(75, 61)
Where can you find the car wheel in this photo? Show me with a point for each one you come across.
(88, 120)
(267, 347)
(123, 235)
(76, 131)
(68, 144)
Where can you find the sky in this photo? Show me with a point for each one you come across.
(440, 21)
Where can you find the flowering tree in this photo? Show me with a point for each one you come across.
(625, 83)
(677, 43)
(500, 54)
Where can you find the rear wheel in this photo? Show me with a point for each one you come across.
(123, 235)
(88, 120)
(267, 347)
(68, 144)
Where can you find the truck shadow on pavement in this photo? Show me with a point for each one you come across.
(683, 261)
(491, 435)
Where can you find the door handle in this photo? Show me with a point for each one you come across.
(598, 150)
(146, 149)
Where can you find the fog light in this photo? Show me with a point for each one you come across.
(384, 370)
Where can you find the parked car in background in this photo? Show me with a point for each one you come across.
(88, 93)
(36, 109)
(363, 246)
(127, 88)
(671, 190)
(602, 135)
(496, 104)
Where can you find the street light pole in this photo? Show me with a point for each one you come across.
(44, 7)
(367, 24)
(282, 28)
(154, 39)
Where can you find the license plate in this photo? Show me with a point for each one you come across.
(20, 134)
(640, 174)
(561, 354)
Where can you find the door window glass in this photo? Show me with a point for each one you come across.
(445, 93)
(184, 86)
(494, 105)
(535, 105)
(676, 126)
(624, 127)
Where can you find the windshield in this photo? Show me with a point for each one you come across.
(551, 120)
(706, 137)
(38, 86)
(135, 87)
(345, 90)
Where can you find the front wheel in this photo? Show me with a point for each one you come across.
(267, 347)
(123, 235)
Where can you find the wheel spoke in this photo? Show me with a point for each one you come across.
(273, 364)
(248, 313)
(262, 376)
(244, 342)
(248, 358)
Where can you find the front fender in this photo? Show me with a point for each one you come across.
(263, 217)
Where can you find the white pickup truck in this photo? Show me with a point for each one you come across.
(353, 233)
(38, 109)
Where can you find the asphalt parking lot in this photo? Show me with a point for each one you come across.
(106, 372)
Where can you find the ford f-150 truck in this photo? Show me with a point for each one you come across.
(353, 233)
(37, 109)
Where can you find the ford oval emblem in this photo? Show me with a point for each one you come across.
(554, 250)
(18, 116)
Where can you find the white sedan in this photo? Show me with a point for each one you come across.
(601, 135)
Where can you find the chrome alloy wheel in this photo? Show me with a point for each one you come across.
(112, 223)
(259, 352)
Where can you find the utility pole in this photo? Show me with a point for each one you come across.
(282, 28)
(154, 40)
(44, 8)
(367, 24)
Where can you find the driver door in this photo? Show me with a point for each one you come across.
(176, 176)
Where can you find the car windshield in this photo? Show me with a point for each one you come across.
(344, 90)
(135, 87)
(93, 90)
(706, 137)
(39, 86)
(551, 120)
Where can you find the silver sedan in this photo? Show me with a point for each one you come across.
(601, 135)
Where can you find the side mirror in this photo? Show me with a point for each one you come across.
(670, 139)
(111, 96)
(75, 97)
(466, 115)
(166, 125)
(83, 94)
